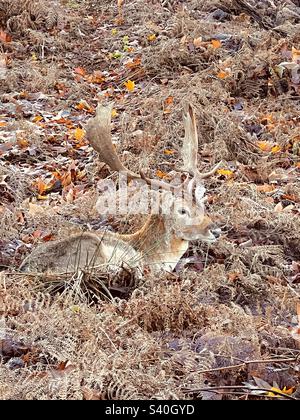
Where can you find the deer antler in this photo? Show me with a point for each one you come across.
(98, 131)
(189, 150)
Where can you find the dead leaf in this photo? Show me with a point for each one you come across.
(79, 134)
(266, 188)
(278, 208)
(216, 43)
(233, 276)
(223, 74)
(161, 174)
(37, 234)
(295, 55)
(35, 209)
(169, 100)
(133, 63)
(198, 42)
(23, 143)
(265, 146)
(84, 106)
(114, 113)
(130, 85)
(4, 36)
(151, 37)
(92, 395)
(37, 118)
(225, 172)
(80, 70)
(276, 149)
(97, 78)
(169, 152)
(284, 391)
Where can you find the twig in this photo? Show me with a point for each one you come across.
(248, 362)
(228, 387)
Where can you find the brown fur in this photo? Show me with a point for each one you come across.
(156, 245)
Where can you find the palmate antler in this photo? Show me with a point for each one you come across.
(189, 151)
(98, 131)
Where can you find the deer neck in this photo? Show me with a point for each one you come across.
(158, 243)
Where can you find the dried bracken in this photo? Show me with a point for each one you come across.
(18, 16)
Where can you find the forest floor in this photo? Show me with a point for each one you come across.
(232, 316)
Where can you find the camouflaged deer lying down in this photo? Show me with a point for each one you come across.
(176, 214)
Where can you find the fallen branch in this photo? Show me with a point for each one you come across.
(248, 362)
(215, 389)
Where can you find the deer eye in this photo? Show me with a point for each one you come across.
(182, 211)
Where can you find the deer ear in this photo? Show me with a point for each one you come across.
(199, 194)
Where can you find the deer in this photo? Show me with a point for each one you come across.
(164, 237)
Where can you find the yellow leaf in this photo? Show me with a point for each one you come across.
(37, 118)
(114, 31)
(169, 152)
(283, 391)
(76, 309)
(265, 146)
(161, 174)
(216, 43)
(130, 85)
(151, 37)
(83, 105)
(276, 149)
(42, 197)
(223, 74)
(225, 172)
(79, 134)
(3, 123)
(298, 165)
(114, 113)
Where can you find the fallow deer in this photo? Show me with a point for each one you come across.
(165, 236)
